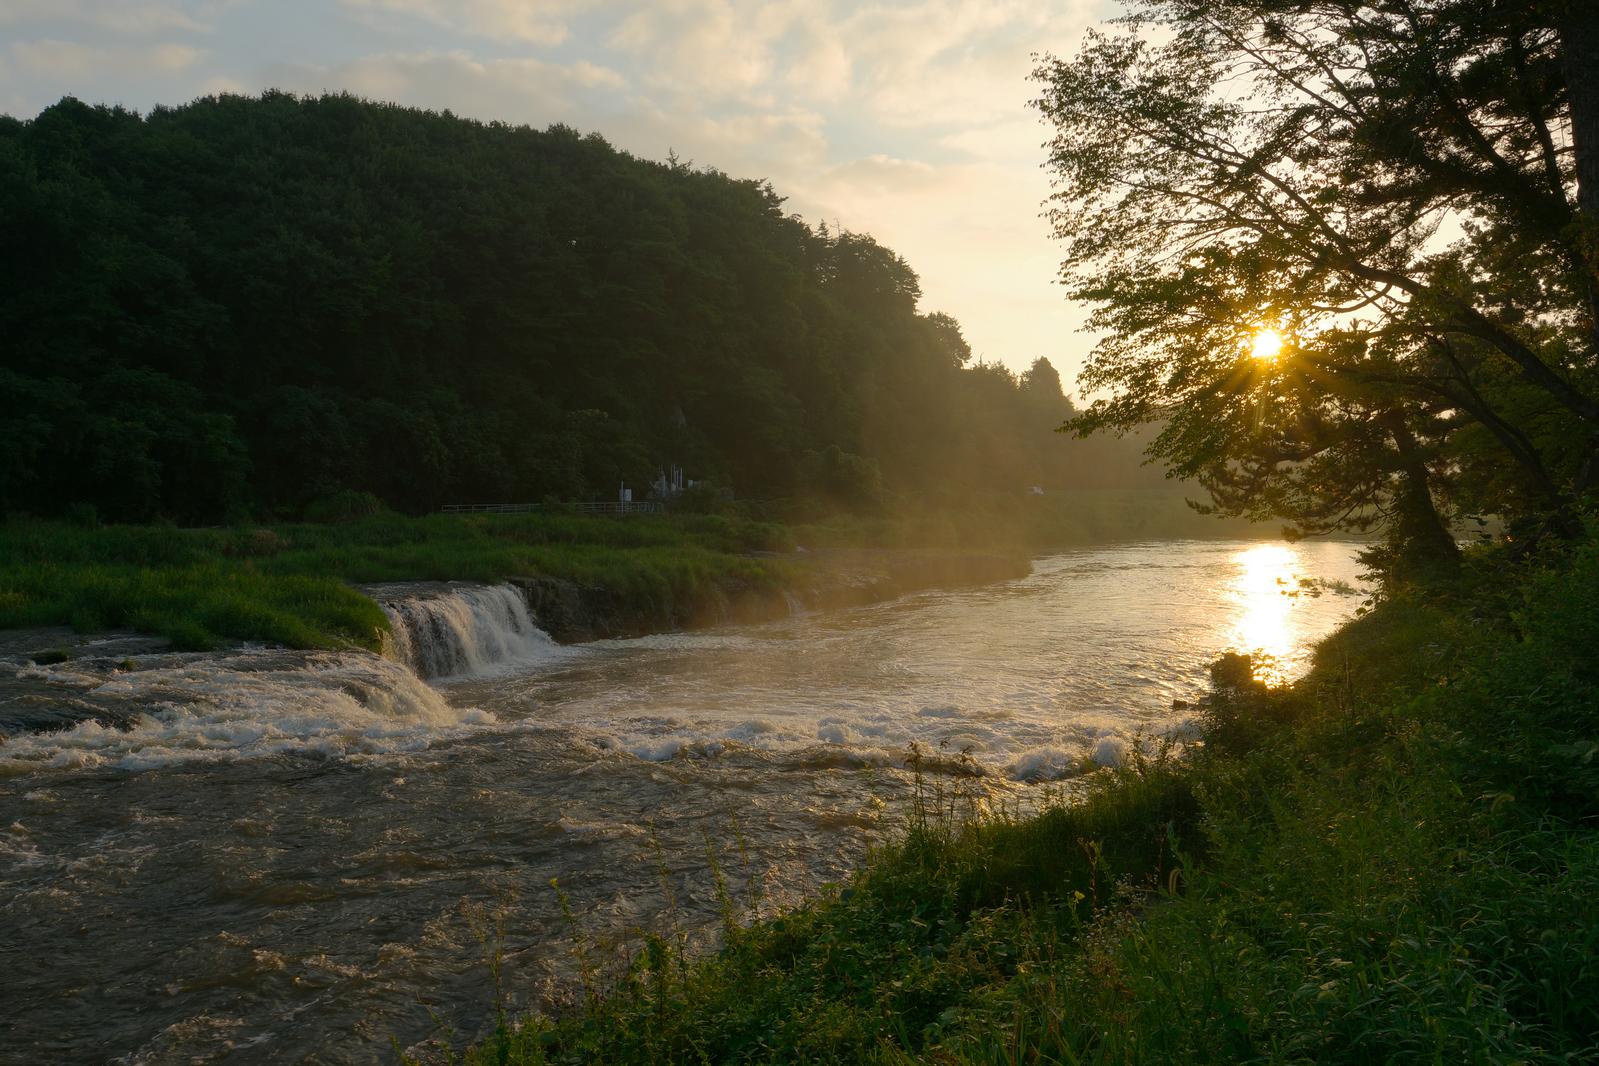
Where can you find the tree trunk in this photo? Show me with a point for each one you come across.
(1578, 26)
(1465, 396)
(1421, 539)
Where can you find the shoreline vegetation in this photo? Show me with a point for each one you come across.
(1341, 267)
(297, 584)
(1394, 859)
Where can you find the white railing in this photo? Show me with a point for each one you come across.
(602, 507)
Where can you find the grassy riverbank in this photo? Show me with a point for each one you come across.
(1395, 860)
(290, 584)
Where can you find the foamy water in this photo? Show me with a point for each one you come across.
(245, 704)
(1034, 679)
(288, 854)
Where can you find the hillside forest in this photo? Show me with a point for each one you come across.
(246, 307)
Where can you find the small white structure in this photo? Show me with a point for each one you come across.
(672, 484)
(1036, 490)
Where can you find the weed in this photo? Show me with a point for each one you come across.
(1369, 866)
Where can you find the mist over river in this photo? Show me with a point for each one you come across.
(272, 856)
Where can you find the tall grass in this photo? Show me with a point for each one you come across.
(1397, 860)
(291, 584)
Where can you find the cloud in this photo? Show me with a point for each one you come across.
(956, 63)
(114, 16)
(765, 144)
(881, 174)
(220, 84)
(1017, 141)
(518, 90)
(709, 49)
(820, 67)
(541, 22)
(743, 141)
(68, 59)
(942, 63)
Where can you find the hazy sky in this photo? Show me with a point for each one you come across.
(908, 121)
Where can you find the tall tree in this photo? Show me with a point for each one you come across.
(1391, 187)
(256, 303)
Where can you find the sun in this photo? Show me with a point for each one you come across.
(1267, 345)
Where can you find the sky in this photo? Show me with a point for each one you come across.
(905, 120)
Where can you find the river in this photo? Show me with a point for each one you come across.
(268, 856)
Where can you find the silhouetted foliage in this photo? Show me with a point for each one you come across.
(1407, 191)
(253, 304)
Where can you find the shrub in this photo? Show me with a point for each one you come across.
(346, 506)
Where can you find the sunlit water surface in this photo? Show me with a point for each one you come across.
(297, 857)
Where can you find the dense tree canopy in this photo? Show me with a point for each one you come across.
(246, 304)
(1405, 190)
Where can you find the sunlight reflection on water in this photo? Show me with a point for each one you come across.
(281, 901)
(1267, 591)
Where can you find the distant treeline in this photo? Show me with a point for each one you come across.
(244, 306)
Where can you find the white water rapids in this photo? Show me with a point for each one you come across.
(165, 709)
(288, 855)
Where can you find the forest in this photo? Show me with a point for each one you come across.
(249, 307)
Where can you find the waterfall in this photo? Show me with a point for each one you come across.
(465, 630)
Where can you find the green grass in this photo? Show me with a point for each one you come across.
(291, 584)
(1397, 860)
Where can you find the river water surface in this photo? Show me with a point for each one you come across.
(265, 856)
